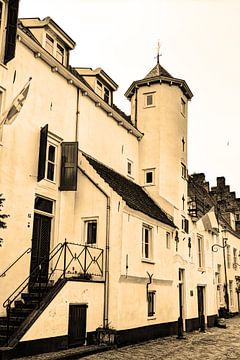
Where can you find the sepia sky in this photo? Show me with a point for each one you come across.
(200, 43)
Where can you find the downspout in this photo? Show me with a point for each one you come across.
(106, 282)
(77, 115)
(136, 104)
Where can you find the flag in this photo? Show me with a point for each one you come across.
(208, 221)
(8, 117)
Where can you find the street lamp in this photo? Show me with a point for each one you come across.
(215, 249)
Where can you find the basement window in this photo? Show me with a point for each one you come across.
(151, 303)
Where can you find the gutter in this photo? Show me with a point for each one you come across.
(106, 283)
(40, 52)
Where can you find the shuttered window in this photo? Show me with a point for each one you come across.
(11, 30)
(69, 159)
(42, 153)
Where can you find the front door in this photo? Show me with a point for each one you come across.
(77, 324)
(201, 317)
(40, 248)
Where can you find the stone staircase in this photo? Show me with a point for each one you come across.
(21, 310)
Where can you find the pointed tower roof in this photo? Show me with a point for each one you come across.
(158, 70)
(159, 75)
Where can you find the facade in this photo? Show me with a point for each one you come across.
(104, 234)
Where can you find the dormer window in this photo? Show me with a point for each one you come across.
(54, 48)
(103, 92)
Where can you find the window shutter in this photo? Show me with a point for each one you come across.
(69, 161)
(42, 153)
(186, 226)
(11, 30)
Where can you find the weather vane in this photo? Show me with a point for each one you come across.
(158, 52)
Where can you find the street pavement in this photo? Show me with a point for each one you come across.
(214, 344)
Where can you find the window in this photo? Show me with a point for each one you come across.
(60, 53)
(231, 292)
(151, 303)
(47, 160)
(51, 162)
(168, 240)
(183, 107)
(183, 171)
(1, 111)
(54, 48)
(185, 225)
(146, 241)
(43, 204)
(8, 31)
(49, 44)
(228, 257)
(90, 227)
(103, 92)
(149, 100)
(129, 167)
(234, 258)
(218, 274)
(149, 177)
(200, 251)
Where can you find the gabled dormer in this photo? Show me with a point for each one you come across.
(100, 82)
(51, 37)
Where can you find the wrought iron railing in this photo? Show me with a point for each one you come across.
(66, 260)
(16, 261)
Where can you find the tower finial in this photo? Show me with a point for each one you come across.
(158, 51)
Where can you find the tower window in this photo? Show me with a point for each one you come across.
(130, 168)
(149, 100)
(149, 176)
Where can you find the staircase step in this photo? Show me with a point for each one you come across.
(24, 312)
(14, 320)
(3, 339)
(11, 329)
(28, 304)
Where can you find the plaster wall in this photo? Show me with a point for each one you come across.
(54, 319)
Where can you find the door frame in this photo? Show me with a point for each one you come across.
(202, 316)
(77, 342)
(46, 214)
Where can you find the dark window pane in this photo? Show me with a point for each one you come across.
(91, 232)
(50, 171)
(149, 177)
(51, 153)
(43, 204)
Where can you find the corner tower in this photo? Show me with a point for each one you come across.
(159, 108)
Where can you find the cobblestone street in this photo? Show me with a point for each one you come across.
(215, 343)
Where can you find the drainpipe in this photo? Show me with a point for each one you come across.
(77, 115)
(106, 282)
(136, 104)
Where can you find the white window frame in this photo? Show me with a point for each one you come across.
(2, 100)
(147, 171)
(200, 251)
(54, 52)
(147, 96)
(55, 141)
(151, 303)
(130, 166)
(147, 255)
(50, 162)
(101, 89)
(168, 240)
(87, 221)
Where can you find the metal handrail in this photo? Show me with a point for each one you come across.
(25, 252)
(16, 293)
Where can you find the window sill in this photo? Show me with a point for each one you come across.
(149, 106)
(149, 261)
(152, 184)
(202, 270)
(152, 317)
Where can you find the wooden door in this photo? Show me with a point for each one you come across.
(77, 324)
(201, 317)
(40, 247)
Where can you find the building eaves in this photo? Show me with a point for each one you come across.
(161, 80)
(75, 79)
(133, 194)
